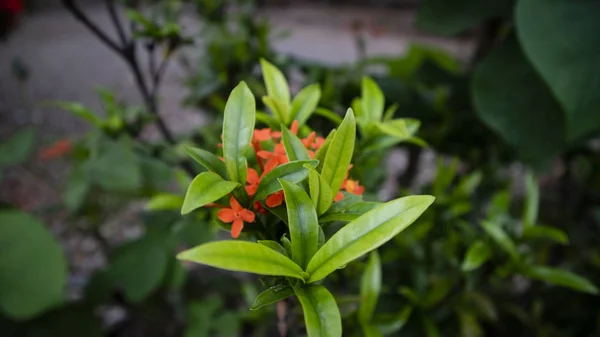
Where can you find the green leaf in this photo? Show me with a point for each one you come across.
(116, 168)
(371, 331)
(293, 172)
(278, 108)
(277, 86)
(366, 233)
(532, 200)
(271, 295)
(322, 151)
(501, 238)
(320, 192)
(238, 127)
(332, 116)
(512, 100)
(370, 288)
(560, 277)
(569, 66)
(165, 201)
(477, 254)
(273, 245)
(78, 186)
(338, 157)
(446, 18)
(305, 103)
(33, 268)
(321, 313)
(17, 148)
(294, 148)
(399, 128)
(210, 161)
(243, 256)
(207, 187)
(392, 323)
(349, 213)
(140, 267)
(302, 221)
(544, 232)
(81, 111)
(389, 112)
(372, 100)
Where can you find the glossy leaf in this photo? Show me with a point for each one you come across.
(512, 100)
(332, 116)
(501, 238)
(560, 277)
(477, 254)
(33, 267)
(164, 201)
(273, 245)
(348, 214)
(293, 172)
(277, 86)
(366, 233)
(305, 103)
(278, 108)
(322, 151)
(294, 148)
(560, 39)
(271, 295)
(238, 127)
(320, 192)
(321, 313)
(243, 256)
(207, 187)
(17, 148)
(372, 100)
(210, 161)
(370, 288)
(302, 221)
(338, 157)
(545, 232)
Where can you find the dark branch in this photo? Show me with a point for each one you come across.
(110, 4)
(80, 15)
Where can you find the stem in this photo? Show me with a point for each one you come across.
(79, 15)
(110, 4)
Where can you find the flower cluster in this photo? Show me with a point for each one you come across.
(270, 153)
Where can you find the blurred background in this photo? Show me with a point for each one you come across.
(98, 98)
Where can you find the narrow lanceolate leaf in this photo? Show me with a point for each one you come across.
(243, 256)
(294, 148)
(396, 128)
(276, 246)
(477, 254)
(320, 192)
(305, 103)
(532, 200)
(322, 151)
(238, 126)
(279, 109)
(371, 331)
(560, 277)
(366, 233)
(545, 232)
(210, 161)
(271, 295)
(338, 157)
(321, 313)
(207, 187)
(303, 223)
(293, 172)
(501, 238)
(370, 287)
(277, 86)
(348, 214)
(372, 100)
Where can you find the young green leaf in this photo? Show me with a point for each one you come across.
(370, 288)
(320, 192)
(372, 100)
(273, 245)
(477, 254)
(326, 113)
(395, 128)
(243, 256)
(532, 200)
(321, 313)
(391, 323)
(207, 187)
(348, 214)
(389, 112)
(338, 157)
(294, 148)
(278, 108)
(366, 233)
(302, 220)
(238, 127)
(371, 331)
(277, 86)
(293, 172)
(545, 232)
(560, 277)
(273, 294)
(165, 201)
(305, 103)
(210, 161)
(80, 111)
(501, 238)
(322, 151)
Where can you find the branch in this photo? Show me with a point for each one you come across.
(80, 15)
(110, 4)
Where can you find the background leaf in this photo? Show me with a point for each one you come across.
(305, 103)
(560, 277)
(210, 161)
(372, 100)
(477, 254)
(370, 288)
(321, 313)
(17, 148)
(501, 238)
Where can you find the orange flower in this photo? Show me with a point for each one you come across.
(57, 149)
(252, 180)
(259, 208)
(275, 158)
(236, 215)
(318, 143)
(275, 199)
(339, 196)
(308, 141)
(353, 187)
(294, 127)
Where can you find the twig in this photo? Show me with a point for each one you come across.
(79, 15)
(110, 4)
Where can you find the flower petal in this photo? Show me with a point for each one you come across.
(275, 199)
(236, 228)
(339, 196)
(247, 216)
(226, 215)
(235, 205)
(252, 178)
